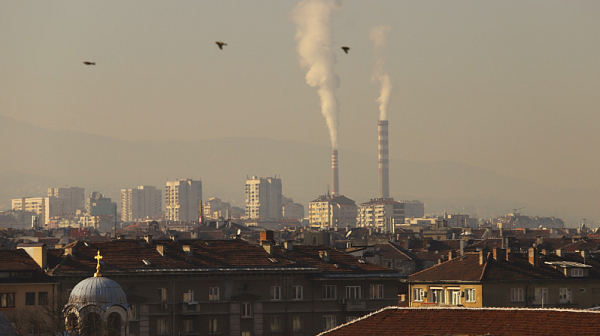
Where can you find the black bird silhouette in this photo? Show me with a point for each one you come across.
(89, 63)
(345, 49)
(221, 44)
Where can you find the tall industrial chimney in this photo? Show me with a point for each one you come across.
(384, 167)
(334, 169)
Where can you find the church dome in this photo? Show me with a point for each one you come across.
(99, 291)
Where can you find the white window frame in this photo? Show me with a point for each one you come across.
(377, 291)
(541, 296)
(329, 322)
(565, 295)
(454, 296)
(213, 294)
(188, 296)
(329, 292)
(576, 272)
(470, 295)
(418, 294)
(298, 323)
(246, 309)
(297, 293)
(353, 292)
(275, 293)
(437, 295)
(517, 295)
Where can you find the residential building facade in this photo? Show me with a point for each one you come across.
(380, 214)
(143, 202)
(332, 211)
(73, 198)
(264, 198)
(182, 200)
(44, 207)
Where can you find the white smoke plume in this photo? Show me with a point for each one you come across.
(314, 35)
(379, 38)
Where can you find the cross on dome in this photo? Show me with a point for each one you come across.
(98, 257)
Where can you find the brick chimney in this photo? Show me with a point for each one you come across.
(451, 255)
(509, 254)
(499, 254)
(534, 257)
(482, 257)
(266, 235)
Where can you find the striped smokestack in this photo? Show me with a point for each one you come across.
(334, 170)
(384, 168)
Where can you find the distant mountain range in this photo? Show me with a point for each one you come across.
(34, 158)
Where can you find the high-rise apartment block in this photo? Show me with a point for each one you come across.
(331, 211)
(380, 214)
(263, 198)
(144, 202)
(413, 209)
(72, 198)
(44, 207)
(98, 205)
(182, 200)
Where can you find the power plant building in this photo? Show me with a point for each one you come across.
(264, 198)
(329, 211)
(182, 200)
(143, 202)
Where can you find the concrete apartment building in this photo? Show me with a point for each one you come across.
(72, 198)
(44, 207)
(380, 214)
(230, 287)
(215, 208)
(182, 200)
(413, 209)
(143, 202)
(264, 198)
(98, 205)
(332, 211)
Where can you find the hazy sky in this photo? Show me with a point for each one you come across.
(511, 86)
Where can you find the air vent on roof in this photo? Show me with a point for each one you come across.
(147, 262)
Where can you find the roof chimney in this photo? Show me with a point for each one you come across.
(560, 253)
(266, 236)
(499, 254)
(482, 257)
(534, 257)
(174, 237)
(462, 243)
(289, 245)
(188, 250)
(324, 255)
(148, 239)
(509, 255)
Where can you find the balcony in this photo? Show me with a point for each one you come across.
(190, 308)
(356, 304)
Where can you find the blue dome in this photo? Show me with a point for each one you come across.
(99, 291)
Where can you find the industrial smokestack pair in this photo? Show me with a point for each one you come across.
(384, 168)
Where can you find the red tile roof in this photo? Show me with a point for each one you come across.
(17, 260)
(472, 321)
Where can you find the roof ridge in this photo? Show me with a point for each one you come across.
(568, 310)
(357, 320)
(485, 266)
(400, 250)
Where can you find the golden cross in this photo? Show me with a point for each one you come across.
(98, 257)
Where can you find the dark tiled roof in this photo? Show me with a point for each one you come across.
(122, 256)
(472, 321)
(16, 260)
(391, 252)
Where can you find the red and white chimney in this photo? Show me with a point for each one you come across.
(334, 170)
(384, 168)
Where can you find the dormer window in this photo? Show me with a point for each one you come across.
(576, 272)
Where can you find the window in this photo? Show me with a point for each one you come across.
(376, 291)
(43, 298)
(161, 327)
(276, 323)
(298, 322)
(329, 292)
(576, 272)
(516, 295)
(437, 295)
(162, 295)
(275, 292)
(188, 326)
(353, 292)
(297, 292)
(7, 300)
(132, 312)
(246, 333)
(189, 296)
(213, 326)
(30, 299)
(213, 294)
(470, 295)
(417, 294)
(328, 322)
(541, 296)
(247, 309)
(565, 295)
(454, 295)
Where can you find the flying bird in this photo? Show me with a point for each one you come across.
(345, 49)
(221, 44)
(89, 63)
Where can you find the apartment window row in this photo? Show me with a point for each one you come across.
(213, 295)
(440, 295)
(162, 326)
(42, 298)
